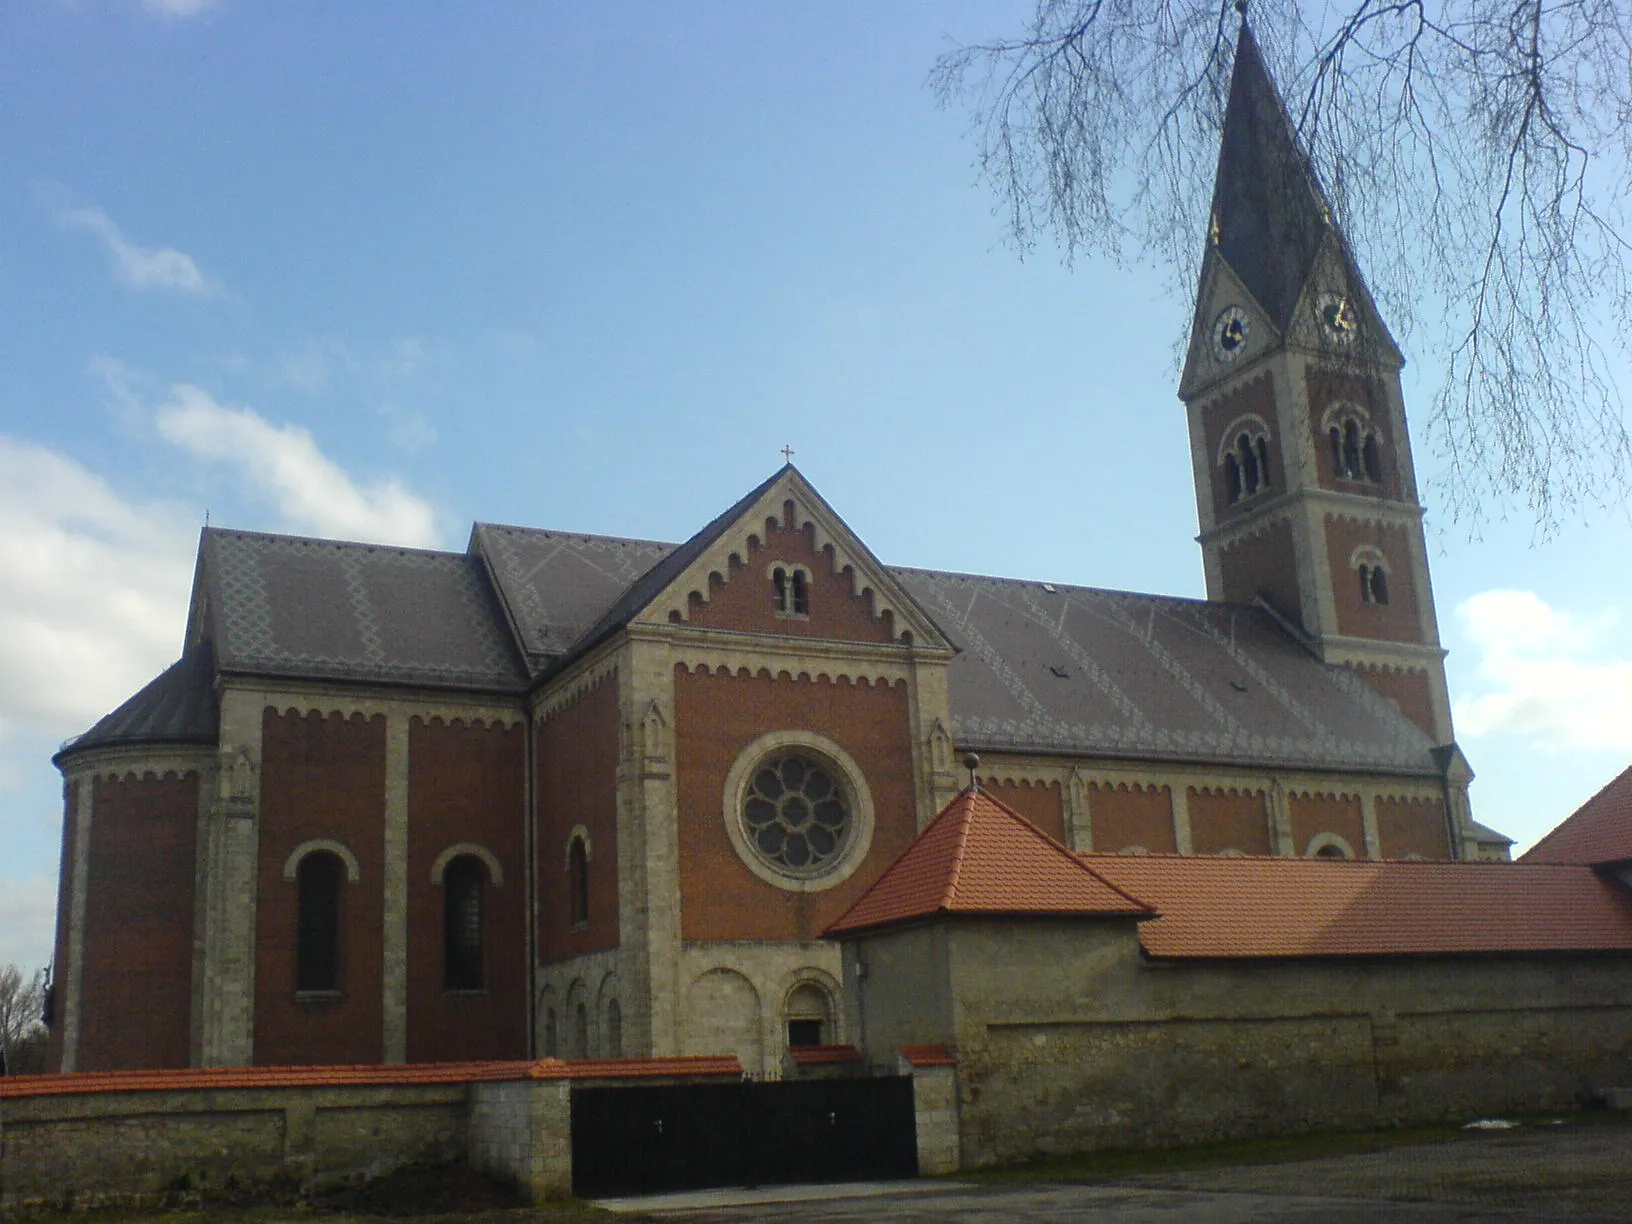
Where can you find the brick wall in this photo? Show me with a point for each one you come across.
(1123, 816)
(1407, 688)
(1264, 562)
(1038, 802)
(716, 717)
(1229, 820)
(1398, 620)
(1413, 826)
(1257, 398)
(467, 784)
(577, 785)
(322, 777)
(1339, 814)
(138, 946)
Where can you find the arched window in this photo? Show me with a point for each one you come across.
(1249, 465)
(809, 1016)
(1373, 583)
(1262, 446)
(1232, 478)
(552, 1037)
(1356, 450)
(801, 593)
(463, 883)
(1373, 459)
(319, 880)
(779, 589)
(1330, 851)
(580, 1032)
(1351, 448)
(614, 1029)
(578, 881)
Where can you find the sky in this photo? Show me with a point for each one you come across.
(376, 270)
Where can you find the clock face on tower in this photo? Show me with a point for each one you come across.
(1230, 333)
(1337, 318)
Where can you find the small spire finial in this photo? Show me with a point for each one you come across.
(971, 762)
(1241, 7)
(787, 453)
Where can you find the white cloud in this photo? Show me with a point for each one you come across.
(94, 595)
(309, 489)
(142, 268)
(1562, 681)
(28, 919)
(177, 8)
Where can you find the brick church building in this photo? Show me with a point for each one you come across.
(587, 796)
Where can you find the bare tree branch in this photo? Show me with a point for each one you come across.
(1477, 154)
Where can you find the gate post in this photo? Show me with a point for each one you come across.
(522, 1130)
(934, 1073)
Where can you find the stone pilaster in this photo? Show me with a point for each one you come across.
(229, 853)
(73, 988)
(394, 971)
(1181, 818)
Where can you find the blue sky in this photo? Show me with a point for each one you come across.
(376, 270)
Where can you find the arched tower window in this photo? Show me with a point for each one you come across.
(779, 588)
(463, 884)
(319, 879)
(1373, 582)
(1356, 449)
(578, 881)
(1245, 459)
(801, 594)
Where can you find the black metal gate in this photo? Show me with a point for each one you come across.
(693, 1136)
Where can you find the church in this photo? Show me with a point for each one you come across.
(583, 796)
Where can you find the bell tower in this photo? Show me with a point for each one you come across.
(1305, 490)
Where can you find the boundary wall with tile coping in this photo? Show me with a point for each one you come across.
(138, 1136)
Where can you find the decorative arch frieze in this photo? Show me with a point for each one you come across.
(835, 672)
(578, 685)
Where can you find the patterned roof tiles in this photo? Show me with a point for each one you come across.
(177, 707)
(1600, 831)
(980, 856)
(1290, 907)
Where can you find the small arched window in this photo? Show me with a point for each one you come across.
(1232, 478)
(1249, 465)
(1331, 851)
(319, 880)
(801, 593)
(580, 1032)
(779, 589)
(809, 1016)
(1373, 459)
(1356, 450)
(578, 881)
(1373, 583)
(463, 883)
(614, 1029)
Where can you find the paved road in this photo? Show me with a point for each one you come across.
(1535, 1176)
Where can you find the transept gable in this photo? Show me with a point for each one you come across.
(781, 561)
(1231, 328)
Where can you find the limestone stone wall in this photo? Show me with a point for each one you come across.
(125, 1145)
(1068, 1040)
(522, 1132)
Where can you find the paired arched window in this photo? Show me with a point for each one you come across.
(1356, 454)
(578, 882)
(1246, 460)
(464, 883)
(790, 590)
(319, 879)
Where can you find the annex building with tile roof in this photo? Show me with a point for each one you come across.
(581, 796)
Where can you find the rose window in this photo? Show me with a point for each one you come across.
(796, 815)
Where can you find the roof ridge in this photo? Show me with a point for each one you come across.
(291, 538)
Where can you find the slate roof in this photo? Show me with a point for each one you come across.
(1600, 831)
(980, 856)
(285, 605)
(1270, 212)
(1071, 669)
(178, 706)
(1234, 908)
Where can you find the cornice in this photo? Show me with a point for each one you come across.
(140, 760)
(765, 647)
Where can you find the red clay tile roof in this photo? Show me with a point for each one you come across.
(1599, 832)
(1275, 907)
(929, 1056)
(982, 857)
(327, 1077)
(823, 1056)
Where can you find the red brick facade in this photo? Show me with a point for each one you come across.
(716, 717)
(467, 784)
(1251, 408)
(578, 785)
(1339, 814)
(1038, 802)
(1229, 820)
(138, 950)
(323, 777)
(1264, 563)
(1406, 688)
(1408, 827)
(1399, 619)
(1123, 816)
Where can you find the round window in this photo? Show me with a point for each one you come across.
(795, 814)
